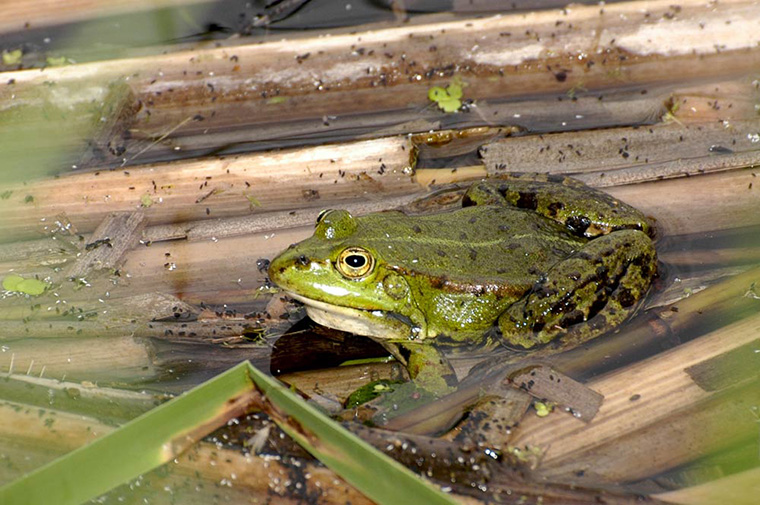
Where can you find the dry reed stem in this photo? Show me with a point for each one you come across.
(336, 382)
(662, 391)
(556, 51)
(56, 429)
(719, 201)
(643, 29)
(106, 359)
(230, 186)
(618, 156)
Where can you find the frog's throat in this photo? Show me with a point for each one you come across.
(371, 323)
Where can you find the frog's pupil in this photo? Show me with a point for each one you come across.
(356, 261)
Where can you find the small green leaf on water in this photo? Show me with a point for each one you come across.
(146, 200)
(454, 90)
(437, 93)
(31, 287)
(451, 105)
(449, 99)
(542, 409)
(277, 99)
(11, 281)
(12, 57)
(53, 61)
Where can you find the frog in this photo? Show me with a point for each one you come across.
(534, 263)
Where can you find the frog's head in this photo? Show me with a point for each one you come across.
(344, 282)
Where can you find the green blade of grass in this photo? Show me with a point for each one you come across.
(161, 434)
(137, 447)
(376, 475)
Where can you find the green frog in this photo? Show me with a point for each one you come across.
(531, 262)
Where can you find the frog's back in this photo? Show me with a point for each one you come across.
(480, 245)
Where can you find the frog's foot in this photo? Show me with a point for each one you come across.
(585, 211)
(590, 292)
(432, 378)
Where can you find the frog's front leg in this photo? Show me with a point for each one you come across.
(603, 281)
(428, 367)
(584, 210)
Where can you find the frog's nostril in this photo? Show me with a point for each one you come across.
(303, 260)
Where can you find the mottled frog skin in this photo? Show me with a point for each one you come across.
(526, 261)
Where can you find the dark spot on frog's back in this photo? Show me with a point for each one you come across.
(578, 224)
(473, 220)
(441, 253)
(417, 228)
(597, 305)
(527, 200)
(554, 208)
(565, 306)
(571, 318)
(646, 271)
(473, 254)
(625, 297)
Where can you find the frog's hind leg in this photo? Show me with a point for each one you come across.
(584, 295)
(585, 211)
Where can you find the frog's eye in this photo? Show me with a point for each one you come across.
(334, 224)
(355, 262)
(321, 216)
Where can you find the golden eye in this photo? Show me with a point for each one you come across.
(355, 262)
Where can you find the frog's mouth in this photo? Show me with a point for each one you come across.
(377, 324)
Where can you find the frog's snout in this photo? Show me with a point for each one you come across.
(277, 268)
(287, 265)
